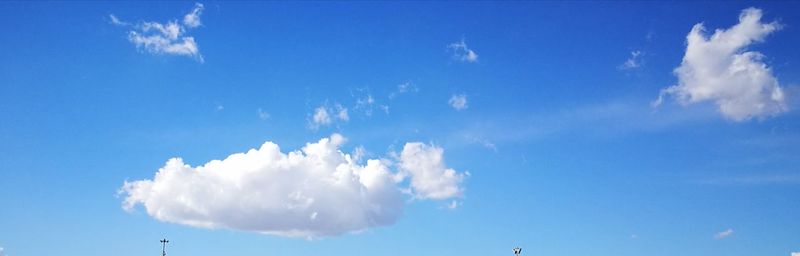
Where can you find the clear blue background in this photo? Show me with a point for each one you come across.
(583, 165)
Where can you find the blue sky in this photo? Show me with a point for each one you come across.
(488, 126)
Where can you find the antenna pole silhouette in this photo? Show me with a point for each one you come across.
(164, 247)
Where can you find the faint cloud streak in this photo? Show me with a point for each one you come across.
(723, 234)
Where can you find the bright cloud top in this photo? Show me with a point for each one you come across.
(166, 38)
(316, 191)
(723, 234)
(463, 53)
(719, 69)
(458, 101)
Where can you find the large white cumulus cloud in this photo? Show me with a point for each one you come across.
(719, 69)
(316, 191)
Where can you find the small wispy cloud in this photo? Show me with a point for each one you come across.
(481, 141)
(458, 101)
(723, 234)
(796, 254)
(192, 19)
(366, 104)
(324, 116)
(633, 62)
(462, 52)
(165, 38)
(403, 88)
(321, 117)
(452, 205)
(263, 115)
(341, 113)
(116, 21)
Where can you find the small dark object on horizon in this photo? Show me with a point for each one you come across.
(164, 246)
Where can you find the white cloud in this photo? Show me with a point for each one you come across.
(342, 113)
(453, 205)
(463, 53)
(796, 254)
(324, 116)
(263, 115)
(633, 62)
(720, 70)
(430, 178)
(458, 101)
(2, 252)
(402, 89)
(318, 191)
(312, 192)
(366, 104)
(117, 21)
(321, 117)
(368, 101)
(481, 141)
(192, 19)
(165, 38)
(723, 234)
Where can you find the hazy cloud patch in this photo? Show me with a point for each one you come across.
(324, 116)
(723, 234)
(633, 62)
(263, 115)
(458, 101)
(403, 88)
(462, 52)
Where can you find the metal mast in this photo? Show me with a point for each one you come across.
(164, 246)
